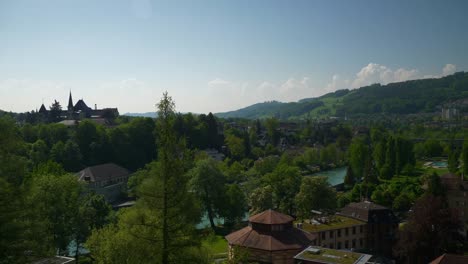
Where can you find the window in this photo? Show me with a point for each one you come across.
(323, 235)
(331, 245)
(361, 228)
(346, 232)
(353, 243)
(354, 230)
(331, 234)
(338, 233)
(361, 244)
(346, 244)
(338, 246)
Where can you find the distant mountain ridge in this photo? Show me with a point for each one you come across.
(409, 97)
(147, 114)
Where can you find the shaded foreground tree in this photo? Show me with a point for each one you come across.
(315, 194)
(432, 230)
(160, 228)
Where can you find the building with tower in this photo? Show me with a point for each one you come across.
(80, 110)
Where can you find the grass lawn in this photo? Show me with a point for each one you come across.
(338, 222)
(216, 244)
(332, 256)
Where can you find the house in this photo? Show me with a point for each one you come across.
(337, 232)
(108, 179)
(381, 225)
(450, 259)
(319, 255)
(270, 237)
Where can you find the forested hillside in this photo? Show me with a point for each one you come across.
(417, 96)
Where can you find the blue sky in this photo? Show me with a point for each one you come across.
(219, 55)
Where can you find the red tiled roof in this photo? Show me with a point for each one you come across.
(450, 259)
(271, 217)
(288, 239)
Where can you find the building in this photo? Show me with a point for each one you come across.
(381, 225)
(81, 110)
(270, 237)
(319, 255)
(108, 179)
(337, 232)
(457, 196)
(450, 259)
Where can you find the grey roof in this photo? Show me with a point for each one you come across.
(102, 172)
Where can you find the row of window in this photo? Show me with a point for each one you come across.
(346, 232)
(346, 244)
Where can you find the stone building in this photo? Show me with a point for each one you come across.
(380, 227)
(337, 232)
(270, 237)
(108, 179)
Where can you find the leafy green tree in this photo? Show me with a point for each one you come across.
(358, 156)
(55, 112)
(285, 182)
(261, 199)
(53, 202)
(465, 158)
(349, 179)
(207, 182)
(67, 154)
(39, 152)
(315, 194)
(434, 185)
(272, 125)
(236, 146)
(433, 148)
(13, 238)
(432, 229)
(234, 206)
(162, 222)
(453, 160)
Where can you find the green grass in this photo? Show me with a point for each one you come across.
(216, 244)
(340, 257)
(337, 223)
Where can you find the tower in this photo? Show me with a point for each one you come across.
(70, 106)
(70, 103)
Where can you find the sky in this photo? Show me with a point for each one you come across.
(215, 56)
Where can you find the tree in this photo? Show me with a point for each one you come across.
(358, 156)
(271, 125)
(285, 182)
(465, 158)
(315, 194)
(207, 181)
(162, 222)
(53, 202)
(349, 179)
(261, 199)
(55, 112)
(235, 205)
(453, 160)
(432, 229)
(236, 146)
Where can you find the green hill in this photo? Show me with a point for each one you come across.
(417, 96)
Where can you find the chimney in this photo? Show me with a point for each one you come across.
(95, 106)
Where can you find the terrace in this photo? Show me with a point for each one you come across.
(330, 223)
(330, 256)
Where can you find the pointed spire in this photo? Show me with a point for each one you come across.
(70, 102)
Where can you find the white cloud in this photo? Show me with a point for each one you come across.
(376, 73)
(449, 69)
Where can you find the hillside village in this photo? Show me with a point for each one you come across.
(263, 187)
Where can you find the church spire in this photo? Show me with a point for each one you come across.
(70, 102)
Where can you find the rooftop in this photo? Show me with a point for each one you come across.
(335, 222)
(332, 256)
(271, 217)
(450, 259)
